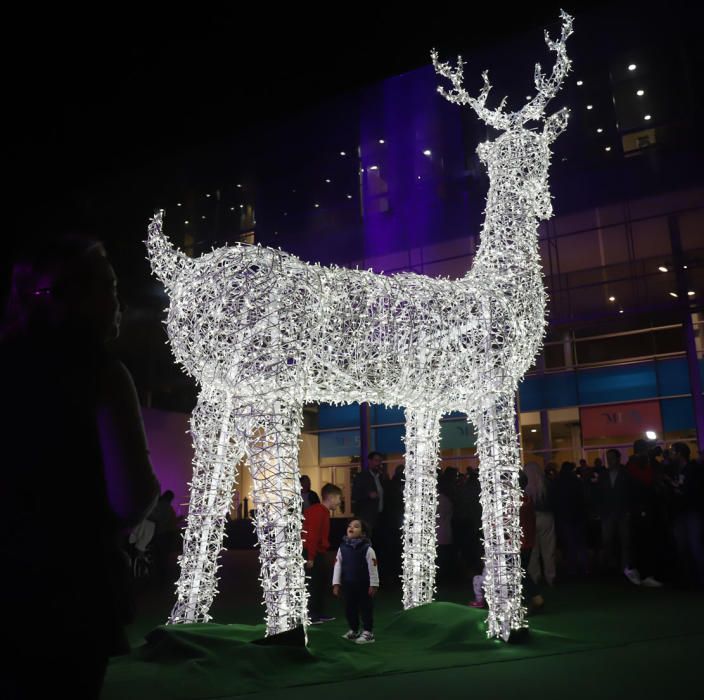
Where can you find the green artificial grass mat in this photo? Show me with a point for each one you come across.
(587, 626)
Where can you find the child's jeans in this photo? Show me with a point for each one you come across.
(358, 601)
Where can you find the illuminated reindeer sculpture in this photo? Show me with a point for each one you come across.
(263, 333)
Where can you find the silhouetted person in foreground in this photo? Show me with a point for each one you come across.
(73, 443)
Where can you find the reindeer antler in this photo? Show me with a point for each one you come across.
(547, 87)
(458, 95)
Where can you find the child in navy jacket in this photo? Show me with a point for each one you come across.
(357, 574)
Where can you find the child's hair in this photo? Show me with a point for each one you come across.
(330, 490)
(362, 524)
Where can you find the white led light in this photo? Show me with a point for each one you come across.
(179, 204)
(640, 93)
(612, 298)
(607, 149)
(580, 83)
(342, 153)
(673, 294)
(373, 167)
(662, 268)
(651, 435)
(427, 152)
(632, 66)
(590, 106)
(263, 333)
(647, 117)
(599, 130)
(690, 293)
(381, 141)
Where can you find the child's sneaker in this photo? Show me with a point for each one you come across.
(651, 582)
(351, 635)
(365, 638)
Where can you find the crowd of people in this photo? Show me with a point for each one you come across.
(642, 520)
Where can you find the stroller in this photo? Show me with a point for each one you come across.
(139, 541)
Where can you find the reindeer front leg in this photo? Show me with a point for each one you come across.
(499, 466)
(420, 496)
(273, 453)
(217, 453)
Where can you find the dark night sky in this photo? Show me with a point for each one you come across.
(92, 94)
(101, 106)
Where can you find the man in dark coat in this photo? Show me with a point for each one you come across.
(368, 492)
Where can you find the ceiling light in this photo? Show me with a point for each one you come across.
(607, 149)
(427, 152)
(651, 434)
(612, 298)
(662, 268)
(382, 142)
(373, 167)
(640, 93)
(647, 117)
(342, 153)
(179, 204)
(632, 66)
(590, 106)
(599, 130)
(673, 294)
(690, 293)
(580, 83)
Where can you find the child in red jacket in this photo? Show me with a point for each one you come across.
(316, 526)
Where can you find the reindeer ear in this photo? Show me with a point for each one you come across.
(483, 150)
(555, 124)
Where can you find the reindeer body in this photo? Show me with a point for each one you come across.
(322, 324)
(263, 333)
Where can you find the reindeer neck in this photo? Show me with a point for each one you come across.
(509, 236)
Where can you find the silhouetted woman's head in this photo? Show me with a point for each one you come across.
(64, 285)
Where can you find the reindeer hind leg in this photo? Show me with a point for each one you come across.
(420, 496)
(273, 453)
(217, 452)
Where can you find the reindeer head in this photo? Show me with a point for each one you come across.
(519, 157)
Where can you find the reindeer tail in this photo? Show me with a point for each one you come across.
(166, 261)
